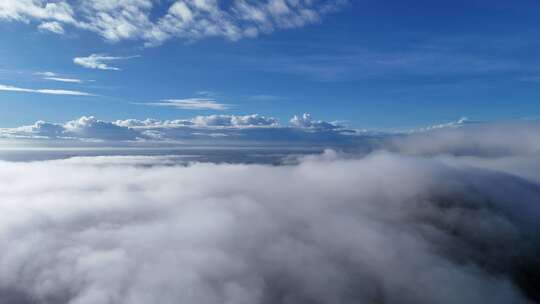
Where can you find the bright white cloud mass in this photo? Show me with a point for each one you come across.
(158, 21)
(448, 215)
(381, 228)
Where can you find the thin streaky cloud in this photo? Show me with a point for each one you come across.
(190, 104)
(56, 77)
(68, 80)
(8, 88)
(46, 74)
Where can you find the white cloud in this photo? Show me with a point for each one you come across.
(305, 121)
(191, 104)
(69, 80)
(53, 26)
(218, 128)
(187, 19)
(26, 10)
(40, 129)
(463, 121)
(43, 91)
(472, 139)
(46, 74)
(501, 140)
(84, 128)
(92, 128)
(55, 77)
(98, 61)
(235, 121)
(328, 230)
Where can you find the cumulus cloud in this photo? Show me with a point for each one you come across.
(191, 104)
(84, 128)
(510, 140)
(305, 121)
(99, 61)
(328, 230)
(235, 121)
(9, 88)
(40, 129)
(90, 127)
(187, 19)
(218, 128)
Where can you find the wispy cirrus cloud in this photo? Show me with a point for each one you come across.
(55, 77)
(9, 88)
(45, 74)
(69, 80)
(190, 104)
(100, 61)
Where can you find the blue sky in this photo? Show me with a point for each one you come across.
(372, 64)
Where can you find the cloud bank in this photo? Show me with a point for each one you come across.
(384, 228)
(155, 22)
(463, 138)
(212, 128)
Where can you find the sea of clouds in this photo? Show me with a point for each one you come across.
(450, 215)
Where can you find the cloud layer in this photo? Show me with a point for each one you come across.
(221, 128)
(187, 19)
(328, 230)
(463, 138)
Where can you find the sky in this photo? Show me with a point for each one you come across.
(381, 64)
(273, 151)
